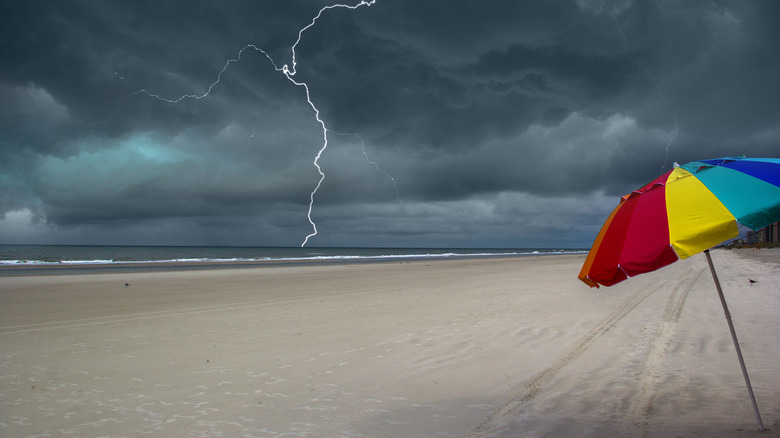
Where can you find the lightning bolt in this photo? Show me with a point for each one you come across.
(655, 84)
(289, 72)
(213, 84)
(373, 163)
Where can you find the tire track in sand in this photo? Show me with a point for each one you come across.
(641, 402)
(502, 415)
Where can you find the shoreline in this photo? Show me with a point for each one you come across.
(15, 270)
(766, 255)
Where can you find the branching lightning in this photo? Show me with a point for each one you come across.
(289, 72)
(655, 84)
(213, 84)
(374, 163)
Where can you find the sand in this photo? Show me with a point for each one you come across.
(497, 347)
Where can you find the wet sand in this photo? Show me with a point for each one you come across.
(766, 255)
(478, 348)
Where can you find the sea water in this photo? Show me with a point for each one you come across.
(16, 255)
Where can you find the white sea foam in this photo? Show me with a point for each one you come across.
(160, 255)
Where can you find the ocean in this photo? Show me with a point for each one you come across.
(29, 255)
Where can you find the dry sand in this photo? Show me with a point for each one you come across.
(476, 348)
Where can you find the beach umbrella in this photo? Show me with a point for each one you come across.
(686, 211)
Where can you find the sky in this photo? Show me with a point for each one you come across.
(452, 123)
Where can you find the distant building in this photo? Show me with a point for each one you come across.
(768, 234)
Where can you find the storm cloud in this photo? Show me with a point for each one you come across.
(458, 123)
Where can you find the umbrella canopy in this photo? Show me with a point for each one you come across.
(689, 209)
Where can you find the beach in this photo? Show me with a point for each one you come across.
(482, 347)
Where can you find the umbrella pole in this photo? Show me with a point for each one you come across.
(734, 338)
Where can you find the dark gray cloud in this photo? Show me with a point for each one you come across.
(479, 123)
